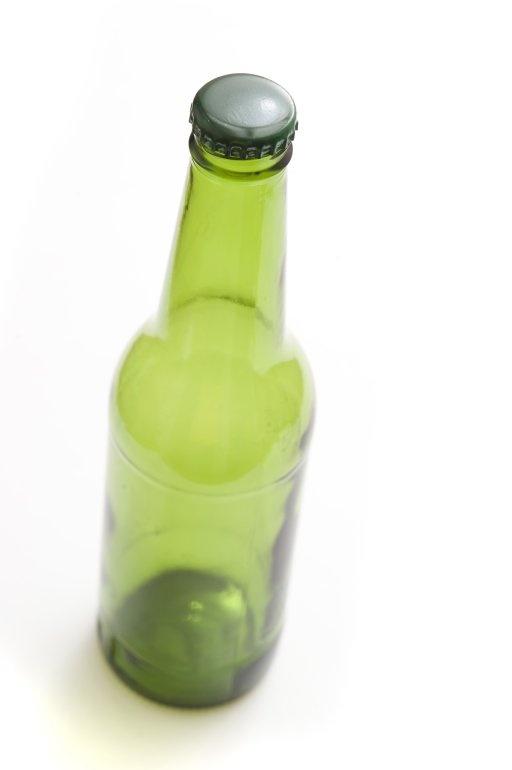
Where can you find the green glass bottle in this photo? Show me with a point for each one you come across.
(211, 412)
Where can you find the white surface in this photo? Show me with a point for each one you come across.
(397, 651)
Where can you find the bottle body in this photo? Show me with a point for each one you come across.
(211, 410)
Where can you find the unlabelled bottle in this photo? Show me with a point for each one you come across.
(210, 418)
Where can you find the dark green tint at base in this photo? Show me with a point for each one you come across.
(180, 639)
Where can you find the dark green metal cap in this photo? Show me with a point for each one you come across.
(243, 116)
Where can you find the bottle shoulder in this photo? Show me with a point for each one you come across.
(212, 415)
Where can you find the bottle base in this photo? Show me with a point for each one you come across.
(178, 640)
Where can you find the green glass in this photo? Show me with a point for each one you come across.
(210, 415)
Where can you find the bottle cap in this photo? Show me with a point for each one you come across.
(243, 116)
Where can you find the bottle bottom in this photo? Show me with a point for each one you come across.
(186, 638)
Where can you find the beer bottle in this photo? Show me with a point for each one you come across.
(210, 416)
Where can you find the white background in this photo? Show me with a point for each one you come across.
(398, 645)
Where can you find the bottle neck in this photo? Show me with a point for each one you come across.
(229, 250)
